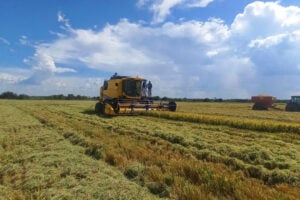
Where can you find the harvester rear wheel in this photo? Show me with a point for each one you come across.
(259, 107)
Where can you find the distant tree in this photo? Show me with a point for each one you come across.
(79, 97)
(219, 100)
(8, 95)
(23, 96)
(60, 96)
(11, 95)
(206, 100)
(70, 97)
(164, 98)
(155, 98)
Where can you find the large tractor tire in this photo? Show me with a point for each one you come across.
(257, 106)
(172, 106)
(99, 108)
(115, 106)
(291, 107)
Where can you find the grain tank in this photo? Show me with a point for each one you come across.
(262, 102)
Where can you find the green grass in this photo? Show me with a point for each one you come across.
(61, 149)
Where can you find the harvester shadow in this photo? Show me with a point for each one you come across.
(92, 112)
(88, 112)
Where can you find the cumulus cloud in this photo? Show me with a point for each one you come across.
(10, 78)
(268, 33)
(7, 78)
(278, 31)
(43, 67)
(105, 50)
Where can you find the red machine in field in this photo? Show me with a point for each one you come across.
(262, 102)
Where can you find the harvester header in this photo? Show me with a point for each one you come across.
(125, 95)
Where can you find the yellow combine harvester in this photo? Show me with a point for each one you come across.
(124, 95)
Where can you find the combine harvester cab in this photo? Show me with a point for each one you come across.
(262, 102)
(293, 105)
(123, 95)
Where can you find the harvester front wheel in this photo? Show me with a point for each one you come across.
(99, 108)
(172, 106)
(115, 106)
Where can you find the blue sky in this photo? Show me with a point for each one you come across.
(187, 48)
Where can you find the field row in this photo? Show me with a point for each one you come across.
(37, 162)
(236, 122)
(240, 111)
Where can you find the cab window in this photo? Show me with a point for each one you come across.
(105, 85)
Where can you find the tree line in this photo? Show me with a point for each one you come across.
(12, 95)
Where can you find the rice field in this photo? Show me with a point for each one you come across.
(235, 115)
(63, 150)
(240, 110)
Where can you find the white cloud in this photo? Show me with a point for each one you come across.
(43, 67)
(268, 33)
(8, 78)
(199, 3)
(268, 41)
(71, 85)
(214, 31)
(162, 8)
(44, 62)
(61, 18)
(24, 40)
(105, 50)
(4, 41)
(56, 85)
(262, 19)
